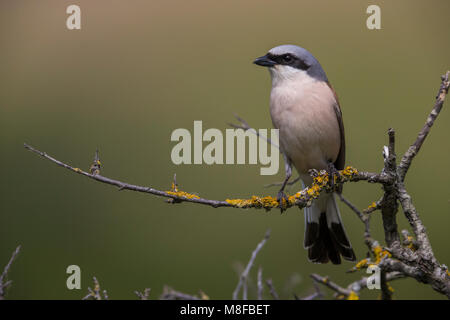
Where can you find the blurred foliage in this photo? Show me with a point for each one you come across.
(137, 71)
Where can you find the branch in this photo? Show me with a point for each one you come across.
(4, 284)
(301, 199)
(243, 278)
(363, 216)
(260, 284)
(245, 126)
(386, 290)
(330, 284)
(272, 290)
(316, 295)
(353, 290)
(411, 258)
(409, 155)
(389, 205)
(170, 294)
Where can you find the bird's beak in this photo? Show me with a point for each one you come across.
(264, 61)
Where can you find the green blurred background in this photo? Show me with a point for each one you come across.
(136, 71)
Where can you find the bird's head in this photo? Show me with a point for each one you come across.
(291, 62)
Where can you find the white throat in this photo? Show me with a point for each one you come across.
(286, 75)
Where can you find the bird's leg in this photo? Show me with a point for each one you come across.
(332, 171)
(281, 195)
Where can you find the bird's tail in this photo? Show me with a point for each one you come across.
(325, 237)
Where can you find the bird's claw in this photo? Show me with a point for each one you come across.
(283, 200)
(332, 172)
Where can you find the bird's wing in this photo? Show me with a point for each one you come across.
(340, 160)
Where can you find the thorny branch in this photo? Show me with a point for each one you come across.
(413, 257)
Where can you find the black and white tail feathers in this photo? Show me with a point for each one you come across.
(325, 237)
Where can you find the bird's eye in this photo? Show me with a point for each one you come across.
(287, 58)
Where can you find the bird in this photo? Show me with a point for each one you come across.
(305, 109)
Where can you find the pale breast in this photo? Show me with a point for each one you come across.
(304, 113)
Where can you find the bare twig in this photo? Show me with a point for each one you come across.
(4, 283)
(143, 295)
(278, 184)
(260, 284)
(243, 278)
(352, 206)
(170, 294)
(272, 290)
(96, 293)
(330, 284)
(245, 126)
(353, 290)
(363, 216)
(409, 155)
(316, 295)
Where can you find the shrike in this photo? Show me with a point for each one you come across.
(305, 109)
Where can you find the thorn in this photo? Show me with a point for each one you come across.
(175, 185)
(96, 164)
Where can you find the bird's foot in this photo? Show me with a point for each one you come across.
(283, 200)
(332, 173)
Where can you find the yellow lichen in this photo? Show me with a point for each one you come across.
(77, 170)
(390, 288)
(292, 199)
(373, 205)
(349, 172)
(182, 194)
(380, 254)
(362, 264)
(410, 241)
(254, 201)
(353, 296)
(320, 181)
